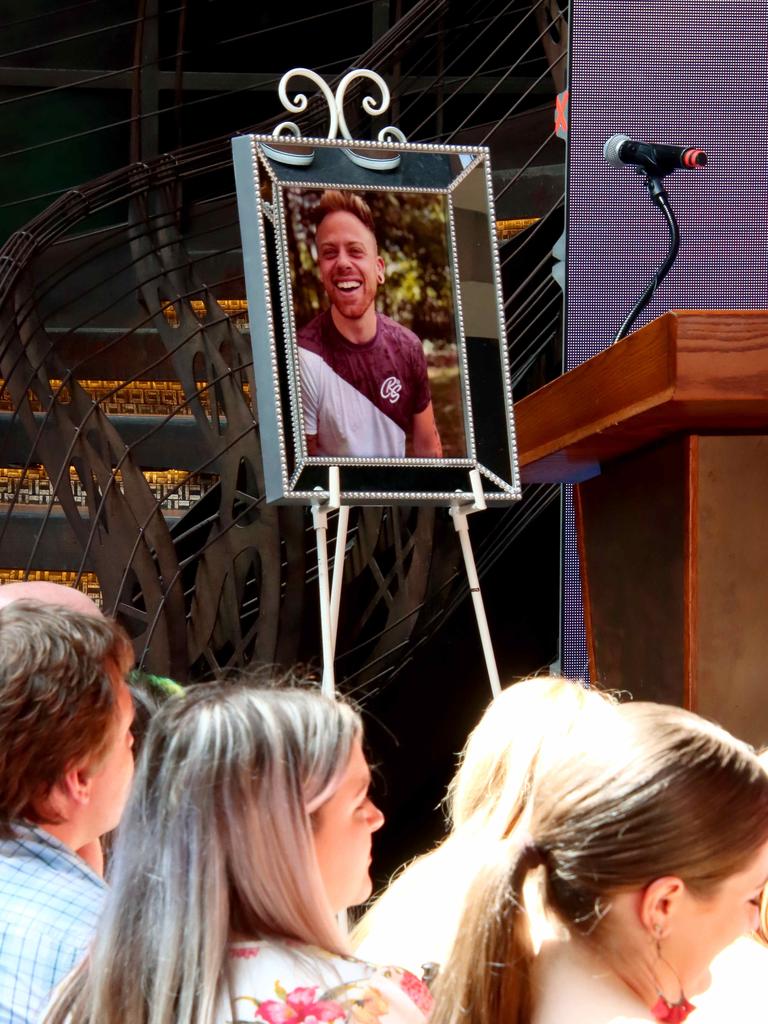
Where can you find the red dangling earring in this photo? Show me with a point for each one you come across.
(662, 1009)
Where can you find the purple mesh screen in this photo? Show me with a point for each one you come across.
(682, 72)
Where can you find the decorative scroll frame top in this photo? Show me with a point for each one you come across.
(372, 106)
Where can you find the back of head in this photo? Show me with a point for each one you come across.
(59, 670)
(671, 778)
(216, 841)
(45, 592)
(509, 745)
(643, 799)
(522, 729)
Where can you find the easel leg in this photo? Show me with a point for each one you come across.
(461, 526)
(338, 570)
(320, 520)
(328, 618)
(330, 597)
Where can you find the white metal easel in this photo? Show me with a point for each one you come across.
(330, 589)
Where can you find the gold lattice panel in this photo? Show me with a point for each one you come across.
(173, 489)
(88, 582)
(506, 229)
(116, 398)
(236, 310)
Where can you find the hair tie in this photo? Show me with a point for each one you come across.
(532, 851)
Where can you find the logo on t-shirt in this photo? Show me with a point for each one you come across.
(391, 389)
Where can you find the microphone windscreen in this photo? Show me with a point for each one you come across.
(612, 149)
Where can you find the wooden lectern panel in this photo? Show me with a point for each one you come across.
(702, 370)
(730, 655)
(674, 564)
(631, 523)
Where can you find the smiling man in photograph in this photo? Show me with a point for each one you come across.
(364, 384)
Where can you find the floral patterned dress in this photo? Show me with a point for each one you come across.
(289, 983)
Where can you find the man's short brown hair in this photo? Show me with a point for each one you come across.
(58, 699)
(333, 200)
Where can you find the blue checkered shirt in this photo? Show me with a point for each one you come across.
(50, 902)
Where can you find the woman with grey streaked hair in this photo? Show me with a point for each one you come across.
(248, 830)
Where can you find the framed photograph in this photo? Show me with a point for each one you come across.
(376, 320)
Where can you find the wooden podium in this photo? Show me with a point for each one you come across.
(665, 435)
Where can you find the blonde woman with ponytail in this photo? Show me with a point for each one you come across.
(248, 830)
(521, 731)
(649, 842)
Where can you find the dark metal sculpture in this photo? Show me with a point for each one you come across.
(225, 585)
(228, 582)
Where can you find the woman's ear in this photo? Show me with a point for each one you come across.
(660, 903)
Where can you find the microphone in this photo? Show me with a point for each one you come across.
(661, 159)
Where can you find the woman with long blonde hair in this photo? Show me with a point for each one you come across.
(248, 830)
(649, 843)
(520, 733)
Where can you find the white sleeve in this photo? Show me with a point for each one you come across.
(309, 390)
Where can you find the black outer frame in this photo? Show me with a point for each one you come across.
(291, 475)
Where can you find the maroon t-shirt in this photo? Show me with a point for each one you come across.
(348, 387)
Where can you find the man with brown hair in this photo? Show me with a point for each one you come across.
(66, 764)
(364, 384)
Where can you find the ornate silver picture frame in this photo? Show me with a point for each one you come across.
(443, 406)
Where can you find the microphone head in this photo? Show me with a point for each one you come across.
(612, 149)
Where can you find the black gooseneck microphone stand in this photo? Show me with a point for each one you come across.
(653, 180)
